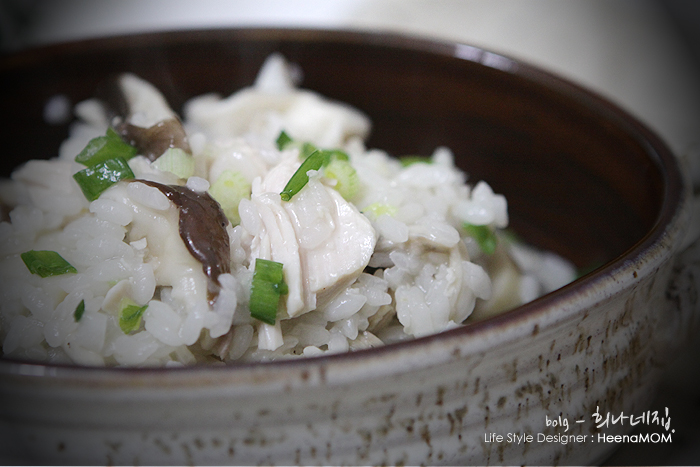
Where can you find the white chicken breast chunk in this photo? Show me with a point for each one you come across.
(236, 156)
(273, 104)
(336, 240)
(323, 241)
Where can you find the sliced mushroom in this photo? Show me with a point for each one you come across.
(202, 226)
(142, 116)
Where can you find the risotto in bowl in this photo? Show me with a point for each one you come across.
(257, 227)
(284, 246)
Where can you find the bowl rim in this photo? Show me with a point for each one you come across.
(642, 258)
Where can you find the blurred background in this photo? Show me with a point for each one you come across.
(643, 55)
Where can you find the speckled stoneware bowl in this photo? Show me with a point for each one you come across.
(582, 178)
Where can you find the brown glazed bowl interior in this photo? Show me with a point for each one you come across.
(577, 178)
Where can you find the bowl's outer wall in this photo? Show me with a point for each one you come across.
(434, 407)
(575, 181)
(580, 179)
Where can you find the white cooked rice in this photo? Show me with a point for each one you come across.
(425, 274)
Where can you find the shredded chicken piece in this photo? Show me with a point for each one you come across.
(323, 241)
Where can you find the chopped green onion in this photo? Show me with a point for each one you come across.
(410, 160)
(348, 182)
(96, 179)
(307, 149)
(283, 140)
(314, 159)
(484, 236)
(268, 286)
(177, 161)
(79, 310)
(228, 190)
(46, 263)
(300, 177)
(378, 209)
(130, 314)
(331, 155)
(106, 147)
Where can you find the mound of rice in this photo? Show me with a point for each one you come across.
(385, 254)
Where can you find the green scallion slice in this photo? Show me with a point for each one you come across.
(130, 314)
(377, 209)
(410, 160)
(228, 190)
(79, 310)
(306, 149)
(46, 263)
(176, 161)
(314, 159)
(268, 286)
(484, 236)
(283, 140)
(97, 178)
(300, 177)
(331, 155)
(105, 147)
(348, 183)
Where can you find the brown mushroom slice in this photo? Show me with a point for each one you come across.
(153, 141)
(142, 116)
(202, 226)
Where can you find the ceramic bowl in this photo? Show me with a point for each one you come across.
(583, 179)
